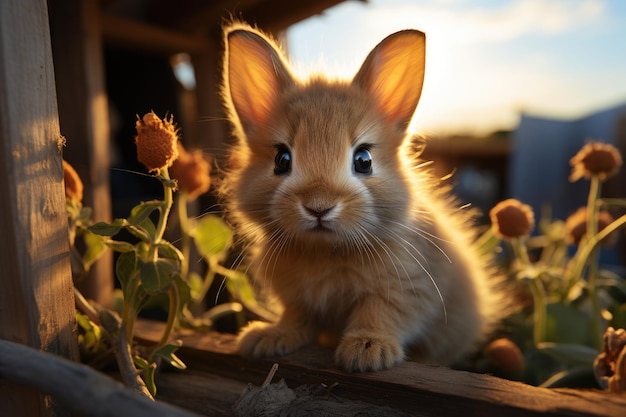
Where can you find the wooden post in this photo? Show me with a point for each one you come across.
(36, 292)
(83, 114)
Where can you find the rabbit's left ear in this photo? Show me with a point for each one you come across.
(393, 75)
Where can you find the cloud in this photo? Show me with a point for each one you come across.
(486, 60)
(476, 24)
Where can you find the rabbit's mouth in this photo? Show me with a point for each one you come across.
(321, 227)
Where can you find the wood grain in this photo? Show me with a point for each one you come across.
(36, 295)
(410, 387)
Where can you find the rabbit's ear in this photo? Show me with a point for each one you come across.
(254, 74)
(393, 75)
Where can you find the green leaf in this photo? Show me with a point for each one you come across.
(108, 229)
(170, 251)
(148, 377)
(212, 236)
(142, 211)
(140, 362)
(223, 309)
(238, 286)
(145, 230)
(95, 246)
(120, 246)
(167, 353)
(569, 354)
(184, 292)
(73, 208)
(578, 377)
(126, 268)
(565, 324)
(156, 276)
(194, 283)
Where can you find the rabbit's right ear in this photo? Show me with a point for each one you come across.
(254, 75)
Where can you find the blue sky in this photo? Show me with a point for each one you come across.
(487, 60)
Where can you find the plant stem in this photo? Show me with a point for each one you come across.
(83, 305)
(185, 228)
(168, 200)
(592, 231)
(172, 314)
(537, 291)
(124, 357)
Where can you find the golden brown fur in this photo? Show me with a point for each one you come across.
(382, 260)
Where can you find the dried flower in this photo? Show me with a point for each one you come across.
(576, 225)
(156, 142)
(73, 183)
(610, 365)
(191, 170)
(595, 158)
(512, 219)
(505, 356)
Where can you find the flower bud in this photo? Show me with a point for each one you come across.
(156, 142)
(512, 219)
(595, 158)
(191, 170)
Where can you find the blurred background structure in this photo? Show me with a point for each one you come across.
(513, 87)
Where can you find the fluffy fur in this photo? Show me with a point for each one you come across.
(382, 260)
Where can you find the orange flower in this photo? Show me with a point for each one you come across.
(156, 142)
(73, 183)
(191, 171)
(512, 219)
(576, 225)
(505, 356)
(595, 158)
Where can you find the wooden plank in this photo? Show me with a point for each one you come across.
(36, 300)
(409, 387)
(83, 390)
(83, 114)
(127, 33)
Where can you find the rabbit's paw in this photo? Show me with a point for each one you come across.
(259, 339)
(366, 350)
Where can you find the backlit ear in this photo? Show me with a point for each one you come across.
(254, 74)
(393, 75)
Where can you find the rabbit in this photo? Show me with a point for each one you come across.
(343, 224)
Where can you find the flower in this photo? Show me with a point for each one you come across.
(610, 365)
(191, 170)
(576, 225)
(73, 183)
(512, 219)
(595, 158)
(156, 142)
(505, 356)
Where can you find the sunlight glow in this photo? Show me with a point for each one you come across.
(485, 63)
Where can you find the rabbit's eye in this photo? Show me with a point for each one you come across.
(362, 161)
(282, 160)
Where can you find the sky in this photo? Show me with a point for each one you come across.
(487, 61)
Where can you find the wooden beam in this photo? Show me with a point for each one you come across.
(36, 296)
(409, 388)
(125, 33)
(84, 118)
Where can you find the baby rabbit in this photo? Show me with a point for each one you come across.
(344, 227)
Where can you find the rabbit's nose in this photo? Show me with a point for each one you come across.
(318, 213)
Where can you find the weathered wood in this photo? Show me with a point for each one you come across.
(80, 388)
(36, 296)
(132, 34)
(409, 387)
(83, 114)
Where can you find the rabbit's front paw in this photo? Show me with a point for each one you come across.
(366, 350)
(259, 339)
